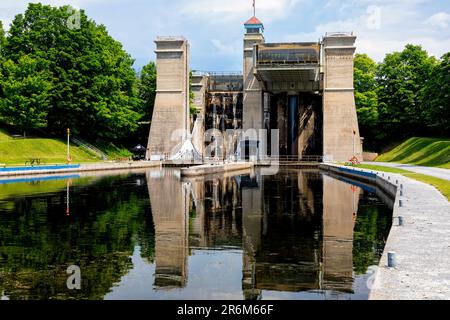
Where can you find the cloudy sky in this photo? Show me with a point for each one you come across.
(215, 27)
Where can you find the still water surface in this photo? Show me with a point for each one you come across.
(150, 235)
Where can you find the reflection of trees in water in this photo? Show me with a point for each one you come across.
(38, 242)
(278, 221)
(371, 231)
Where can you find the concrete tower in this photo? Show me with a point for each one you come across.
(171, 112)
(341, 138)
(253, 95)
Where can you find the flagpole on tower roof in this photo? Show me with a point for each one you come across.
(254, 8)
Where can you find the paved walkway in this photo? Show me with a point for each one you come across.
(422, 244)
(430, 171)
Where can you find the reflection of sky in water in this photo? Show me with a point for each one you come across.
(212, 275)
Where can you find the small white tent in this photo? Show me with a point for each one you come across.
(187, 152)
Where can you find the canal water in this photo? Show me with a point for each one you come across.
(301, 234)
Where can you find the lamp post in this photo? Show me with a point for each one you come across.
(68, 146)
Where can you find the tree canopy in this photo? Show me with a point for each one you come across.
(2, 38)
(26, 99)
(85, 78)
(405, 95)
(366, 97)
(147, 90)
(402, 79)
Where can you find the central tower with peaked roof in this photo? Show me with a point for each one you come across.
(253, 94)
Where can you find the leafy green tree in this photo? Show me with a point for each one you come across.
(26, 100)
(366, 98)
(2, 39)
(147, 90)
(402, 77)
(2, 46)
(437, 98)
(93, 82)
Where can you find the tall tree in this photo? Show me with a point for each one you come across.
(401, 79)
(367, 99)
(437, 98)
(93, 81)
(26, 100)
(2, 38)
(2, 46)
(147, 90)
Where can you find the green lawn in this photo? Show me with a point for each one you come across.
(420, 151)
(441, 184)
(4, 136)
(51, 151)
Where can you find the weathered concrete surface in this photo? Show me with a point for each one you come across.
(370, 156)
(171, 111)
(87, 168)
(253, 96)
(434, 172)
(422, 245)
(212, 169)
(199, 86)
(341, 137)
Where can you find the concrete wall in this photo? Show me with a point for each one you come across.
(341, 135)
(370, 156)
(171, 111)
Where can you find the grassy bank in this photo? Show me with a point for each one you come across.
(440, 184)
(420, 151)
(50, 151)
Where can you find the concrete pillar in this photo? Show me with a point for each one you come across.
(293, 124)
(341, 138)
(340, 206)
(253, 95)
(252, 214)
(199, 87)
(171, 111)
(171, 229)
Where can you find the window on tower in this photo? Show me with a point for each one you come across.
(253, 30)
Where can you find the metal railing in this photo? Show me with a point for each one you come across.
(170, 38)
(339, 34)
(292, 159)
(90, 148)
(217, 73)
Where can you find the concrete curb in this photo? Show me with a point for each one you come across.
(213, 169)
(84, 168)
(421, 244)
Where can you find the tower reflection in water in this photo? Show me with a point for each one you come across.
(295, 229)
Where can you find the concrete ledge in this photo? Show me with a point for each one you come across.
(422, 244)
(213, 169)
(45, 170)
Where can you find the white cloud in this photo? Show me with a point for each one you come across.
(441, 20)
(228, 49)
(398, 26)
(10, 8)
(237, 10)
